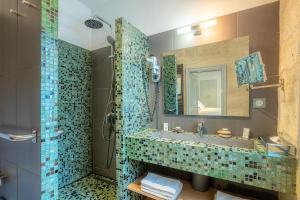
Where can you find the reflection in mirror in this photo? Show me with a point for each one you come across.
(206, 90)
(170, 85)
(202, 80)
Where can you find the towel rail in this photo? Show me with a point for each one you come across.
(279, 85)
(6, 135)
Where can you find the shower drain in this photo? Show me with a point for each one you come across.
(111, 182)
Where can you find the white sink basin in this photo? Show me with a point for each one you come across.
(207, 139)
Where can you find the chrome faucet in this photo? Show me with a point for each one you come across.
(201, 129)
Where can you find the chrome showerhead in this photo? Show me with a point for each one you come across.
(96, 23)
(93, 23)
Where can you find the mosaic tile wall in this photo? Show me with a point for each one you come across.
(92, 187)
(250, 167)
(132, 49)
(49, 100)
(170, 82)
(74, 113)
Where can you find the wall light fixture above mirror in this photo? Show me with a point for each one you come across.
(197, 29)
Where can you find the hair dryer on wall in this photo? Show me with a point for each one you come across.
(156, 71)
(156, 77)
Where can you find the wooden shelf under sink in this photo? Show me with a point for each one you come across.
(187, 193)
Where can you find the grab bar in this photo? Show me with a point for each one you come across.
(32, 5)
(18, 137)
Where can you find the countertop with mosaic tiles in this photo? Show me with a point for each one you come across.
(253, 167)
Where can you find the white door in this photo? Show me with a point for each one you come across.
(206, 91)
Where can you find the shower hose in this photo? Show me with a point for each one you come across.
(156, 102)
(109, 118)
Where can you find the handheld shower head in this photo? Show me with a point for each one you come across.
(111, 40)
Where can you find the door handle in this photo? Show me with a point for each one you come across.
(27, 3)
(14, 12)
(19, 138)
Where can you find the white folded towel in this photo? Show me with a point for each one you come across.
(157, 185)
(223, 196)
(161, 183)
(162, 194)
(146, 187)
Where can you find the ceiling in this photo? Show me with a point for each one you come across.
(94, 3)
(155, 16)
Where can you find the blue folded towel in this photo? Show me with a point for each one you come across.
(250, 69)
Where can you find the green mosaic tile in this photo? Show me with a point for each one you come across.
(132, 49)
(93, 187)
(50, 17)
(170, 82)
(74, 113)
(251, 167)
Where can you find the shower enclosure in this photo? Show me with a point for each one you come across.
(104, 135)
(104, 160)
(46, 121)
(86, 114)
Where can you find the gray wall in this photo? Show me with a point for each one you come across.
(20, 99)
(262, 25)
(101, 78)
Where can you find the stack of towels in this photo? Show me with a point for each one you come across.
(224, 196)
(162, 187)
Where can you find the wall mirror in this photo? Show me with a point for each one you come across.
(201, 80)
(198, 75)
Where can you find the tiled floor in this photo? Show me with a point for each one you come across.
(92, 187)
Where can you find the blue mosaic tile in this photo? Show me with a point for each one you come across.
(49, 101)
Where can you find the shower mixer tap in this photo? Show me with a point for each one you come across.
(110, 118)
